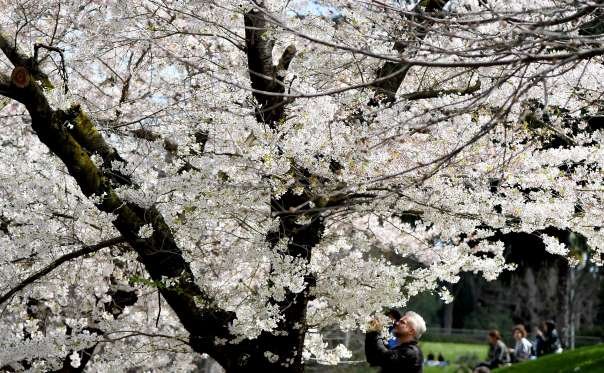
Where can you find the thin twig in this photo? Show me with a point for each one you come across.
(65, 258)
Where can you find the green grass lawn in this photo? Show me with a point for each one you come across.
(582, 360)
(453, 353)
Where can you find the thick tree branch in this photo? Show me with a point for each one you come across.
(4, 84)
(18, 58)
(385, 90)
(264, 76)
(593, 27)
(159, 253)
(56, 263)
(11, 52)
(267, 83)
(286, 58)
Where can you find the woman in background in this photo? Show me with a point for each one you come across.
(498, 353)
(522, 349)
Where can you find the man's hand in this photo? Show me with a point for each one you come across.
(374, 325)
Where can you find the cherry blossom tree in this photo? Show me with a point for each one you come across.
(231, 177)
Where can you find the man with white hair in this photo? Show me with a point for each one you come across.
(406, 356)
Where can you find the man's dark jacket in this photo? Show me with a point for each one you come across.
(404, 358)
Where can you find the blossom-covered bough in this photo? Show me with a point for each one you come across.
(232, 177)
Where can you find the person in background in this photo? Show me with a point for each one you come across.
(498, 353)
(394, 316)
(441, 360)
(551, 339)
(406, 356)
(431, 360)
(539, 340)
(522, 349)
